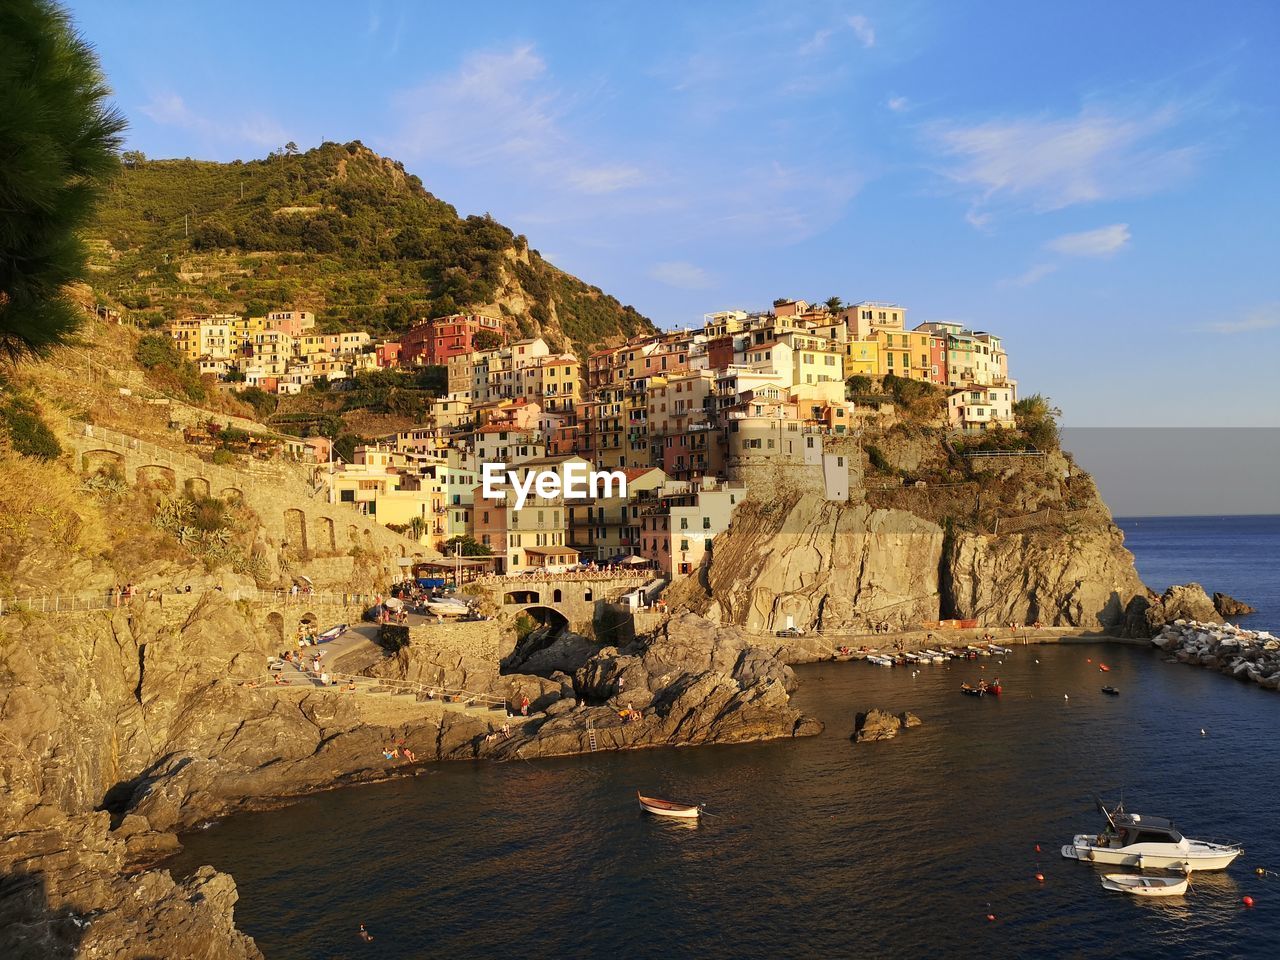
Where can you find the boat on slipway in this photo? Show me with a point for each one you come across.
(669, 808)
(1139, 886)
(1133, 840)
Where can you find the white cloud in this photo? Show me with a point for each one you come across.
(863, 30)
(499, 107)
(1092, 243)
(1044, 164)
(898, 104)
(817, 42)
(682, 275)
(1034, 274)
(1262, 318)
(170, 110)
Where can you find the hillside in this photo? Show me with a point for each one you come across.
(337, 230)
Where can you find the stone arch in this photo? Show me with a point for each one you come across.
(157, 475)
(325, 535)
(231, 494)
(197, 487)
(547, 616)
(522, 596)
(587, 595)
(557, 595)
(295, 528)
(353, 533)
(102, 461)
(275, 627)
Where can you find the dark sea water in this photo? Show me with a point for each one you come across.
(1235, 555)
(819, 847)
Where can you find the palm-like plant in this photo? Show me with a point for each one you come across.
(58, 147)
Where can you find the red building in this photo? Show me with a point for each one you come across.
(388, 354)
(435, 341)
(938, 359)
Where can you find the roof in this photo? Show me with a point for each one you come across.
(552, 551)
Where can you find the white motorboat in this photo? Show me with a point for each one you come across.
(447, 607)
(879, 660)
(1131, 840)
(1000, 651)
(1140, 886)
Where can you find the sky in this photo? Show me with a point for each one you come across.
(1096, 182)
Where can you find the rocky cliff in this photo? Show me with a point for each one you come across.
(1029, 540)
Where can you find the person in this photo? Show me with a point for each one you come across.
(365, 935)
(524, 706)
(409, 755)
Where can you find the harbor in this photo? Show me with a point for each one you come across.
(818, 846)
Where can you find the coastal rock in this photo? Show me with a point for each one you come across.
(876, 724)
(1228, 606)
(1251, 656)
(1189, 602)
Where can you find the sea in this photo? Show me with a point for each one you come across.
(1239, 556)
(944, 842)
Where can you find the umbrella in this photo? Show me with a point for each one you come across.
(634, 560)
(393, 603)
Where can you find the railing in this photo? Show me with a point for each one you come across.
(575, 575)
(982, 454)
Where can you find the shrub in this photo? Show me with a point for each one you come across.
(27, 432)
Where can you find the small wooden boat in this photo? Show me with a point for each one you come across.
(971, 691)
(1104, 668)
(668, 808)
(1145, 886)
(1111, 690)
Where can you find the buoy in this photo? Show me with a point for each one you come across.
(1066, 696)
(1039, 878)
(1261, 872)
(1037, 661)
(1089, 660)
(1202, 733)
(1037, 848)
(992, 916)
(1247, 901)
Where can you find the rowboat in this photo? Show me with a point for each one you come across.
(668, 808)
(1145, 886)
(1111, 690)
(447, 607)
(970, 691)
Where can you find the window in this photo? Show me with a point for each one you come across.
(684, 523)
(706, 523)
(684, 544)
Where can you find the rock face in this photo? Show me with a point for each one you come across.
(1228, 606)
(826, 566)
(693, 682)
(1249, 655)
(876, 724)
(1084, 579)
(73, 889)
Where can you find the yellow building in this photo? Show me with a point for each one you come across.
(905, 354)
(862, 358)
(203, 337)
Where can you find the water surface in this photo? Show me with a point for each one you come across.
(819, 848)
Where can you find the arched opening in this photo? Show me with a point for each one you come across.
(155, 475)
(275, 628)
(231, 495)
(103, 461)
(549, 619)
(324, 534)
(557, 596)
(522, 596)
(295, 530)
(353, 534)
(197, 487)
(587, 595)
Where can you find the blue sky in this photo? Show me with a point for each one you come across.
(1095, 181)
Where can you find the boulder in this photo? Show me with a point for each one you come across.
(1228, 606)
(875, 724)
(1189, 601)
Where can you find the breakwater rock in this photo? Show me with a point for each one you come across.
(1250, 655)
(876, 724)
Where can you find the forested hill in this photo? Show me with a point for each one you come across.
(338, 230)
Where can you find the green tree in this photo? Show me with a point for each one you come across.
(466, 546)
(212, 235)
(59, 144)
(1037, 418)
(834, 304)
